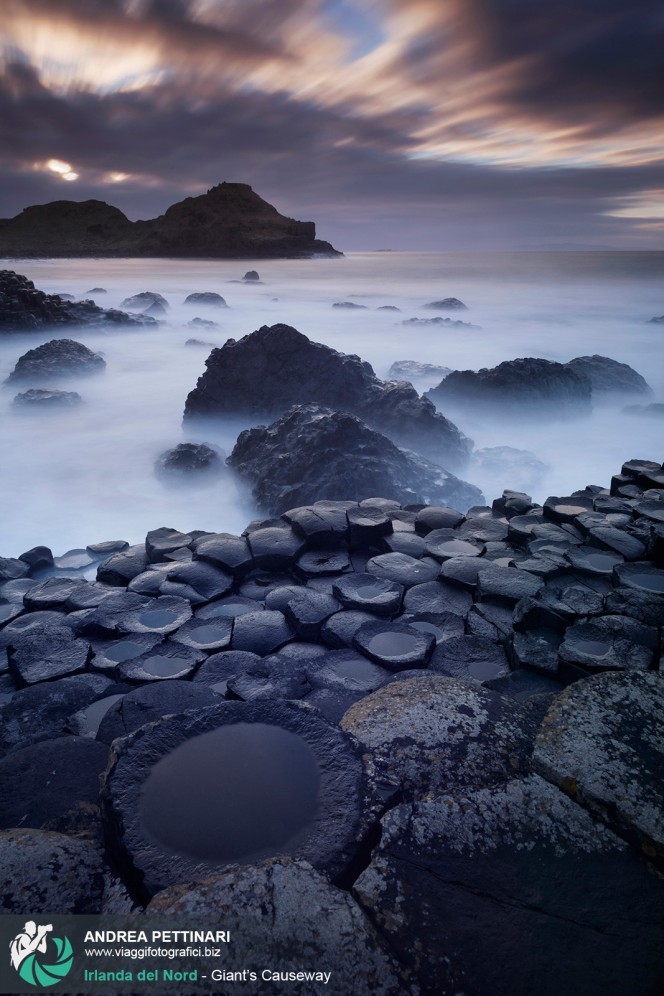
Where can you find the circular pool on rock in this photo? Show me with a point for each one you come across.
(233, 783)
(236, 793)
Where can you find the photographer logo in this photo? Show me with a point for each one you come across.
(41, 960)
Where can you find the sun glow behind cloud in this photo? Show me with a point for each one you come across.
(63, 170)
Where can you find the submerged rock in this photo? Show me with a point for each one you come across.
(206, 298)
(267, 372)
(59, 357)
(202, 323)
(190, 458)
(144, 301)
(444, 322)
(42, 398)
(312, 453)
(655, 410)
(447, 304)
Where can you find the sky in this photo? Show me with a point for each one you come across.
(402, 124)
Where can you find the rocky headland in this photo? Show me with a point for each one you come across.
(230, 221)
(459, 713)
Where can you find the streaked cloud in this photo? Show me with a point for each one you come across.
(164, 96)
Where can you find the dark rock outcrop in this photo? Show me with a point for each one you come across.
(229, 221)
(208, 299)
(38, 398)
(311, 453)
(608, 376)
(448, 323)
(144, 300)
(517, 385)
(447, 304)
(411, 370)
(23, 308)
(190, 458)
(267, 372)
(59, 357)
(251, 276)
(654, 410)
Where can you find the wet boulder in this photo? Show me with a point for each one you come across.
(447, 304)
(517, 386)
(144, 301)
(312, 453)
(59, 357)
(24, 308)
(37, 655)
(265, 373)
(251, 276)
(121, 567)
(187, 459)
(41, 398)
(208, 299)
(609, 377)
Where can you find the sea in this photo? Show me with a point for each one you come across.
(87, 474)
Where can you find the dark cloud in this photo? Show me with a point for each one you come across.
(357, 174)
(171, 25)
(568, 59)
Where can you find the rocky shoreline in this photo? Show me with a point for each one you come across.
(474, 700)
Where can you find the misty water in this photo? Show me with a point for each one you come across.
(87, 474)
